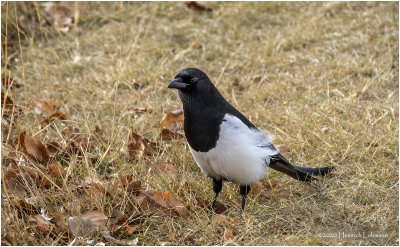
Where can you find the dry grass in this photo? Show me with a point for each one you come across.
(322, 65)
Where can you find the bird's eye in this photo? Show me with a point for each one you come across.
(194, 80)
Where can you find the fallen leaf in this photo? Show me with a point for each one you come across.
(9, 171)
(23, 205)
(53, 148)
(220, 220)
(282, 149)
(6, 102)
(124, 179)
(196, 6)
(189, 239)
(256, 188)
(139, 146)
(93, 182)
(237, 84)
(8, 80)
(258, 80)
(50, 106)
(134, 186)
(14, 188)
(129, 230)
(52, 117)
(75, 139)
(87, 224)
(40, 180)
(118, 217)
(61, 220)
(106, 234)
(167, 170)
(32, 147)
(56, 169)
(219, 208)
(142, 109)
(155, 201)
(167, 134)
(44, 225)
(229, 232)
(269, 184)
(172, 120)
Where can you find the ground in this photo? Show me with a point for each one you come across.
(321, 77)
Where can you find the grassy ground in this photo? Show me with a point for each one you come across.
(322, 77)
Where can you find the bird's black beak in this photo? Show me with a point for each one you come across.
(178, 84)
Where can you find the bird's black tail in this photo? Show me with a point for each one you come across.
(279, 163)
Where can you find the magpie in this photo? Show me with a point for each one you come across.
(224, 143)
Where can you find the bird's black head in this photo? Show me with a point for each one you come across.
(190, 80)
(196, 90)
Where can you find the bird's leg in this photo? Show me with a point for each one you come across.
(244, 190)
(217, 187)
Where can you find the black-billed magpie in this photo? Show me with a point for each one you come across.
(224, 143)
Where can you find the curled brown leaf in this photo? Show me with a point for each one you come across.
(139, 146)
(52, 117)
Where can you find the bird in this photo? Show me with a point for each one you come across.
(224, 143)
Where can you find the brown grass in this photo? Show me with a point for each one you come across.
(330, 65)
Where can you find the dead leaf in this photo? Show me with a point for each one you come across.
(256, 188)
(134, 186)
(155, 201)
(282, 149)
(40, 180)
(124, 179)
(44, 225)
(139, 146)
(93, 182)
(129, 230)
(62, 15)
(237, 84)
(269, 184)
(9, 171)
(219, 208)
(56, 169)
(53, 148)
(189, 239)
(14, 188)
(221, 220)
(8, 80)
(229, 232)
(23, 205)
(196, 6)
(118, 217)
(87, 224)
(75, 139)
(32, 147)
(167, 134)
(50, 106)
(142, 109)
(52, 117)
(172, 120)
(6, 102)
(167, 170)
(260, 186)
(258, 80)
(61, 220)
(106, 234)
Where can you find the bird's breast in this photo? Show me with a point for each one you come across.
(237, 154)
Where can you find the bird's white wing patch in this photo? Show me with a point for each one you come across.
(240, 154)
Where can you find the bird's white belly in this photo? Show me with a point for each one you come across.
(238, 155)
